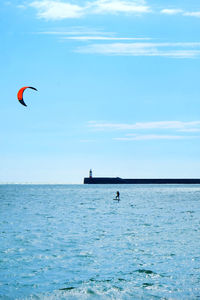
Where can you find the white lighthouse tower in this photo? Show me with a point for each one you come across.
(90, 173)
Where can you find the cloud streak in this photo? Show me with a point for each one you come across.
(85, 34)
(173, 50)
(150, 130)
(145, 137)
(171, 11)
(192, 14)
(176, 11)
(178, 125)
(104, 38)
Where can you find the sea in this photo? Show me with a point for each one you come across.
(76, 242)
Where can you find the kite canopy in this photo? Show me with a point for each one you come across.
(21, 92)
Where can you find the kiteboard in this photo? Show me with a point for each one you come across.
(116, 199)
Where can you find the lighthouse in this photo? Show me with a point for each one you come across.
(90, 173)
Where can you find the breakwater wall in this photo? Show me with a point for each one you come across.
(118, 180)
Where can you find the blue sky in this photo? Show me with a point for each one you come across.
(118, 89)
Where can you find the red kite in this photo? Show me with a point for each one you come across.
(21, 92)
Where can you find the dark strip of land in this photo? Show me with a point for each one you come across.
(117, 180)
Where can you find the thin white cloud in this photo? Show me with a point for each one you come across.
(177, 125)
(174, 50)
(176, 11)
(141, 137)
(86, 34)
(104, 38)
(150, 130)
(78, 31)
(171, 11)
(189, 130)
(192, 14)
(119, 6)
(57, 10)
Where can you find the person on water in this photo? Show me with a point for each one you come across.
(117, 195)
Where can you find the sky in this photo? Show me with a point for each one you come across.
(118, 90)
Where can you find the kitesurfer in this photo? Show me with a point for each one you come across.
(117, 195)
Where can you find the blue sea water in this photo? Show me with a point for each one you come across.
(75, 242)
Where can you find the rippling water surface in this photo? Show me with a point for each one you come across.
(75, 242)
